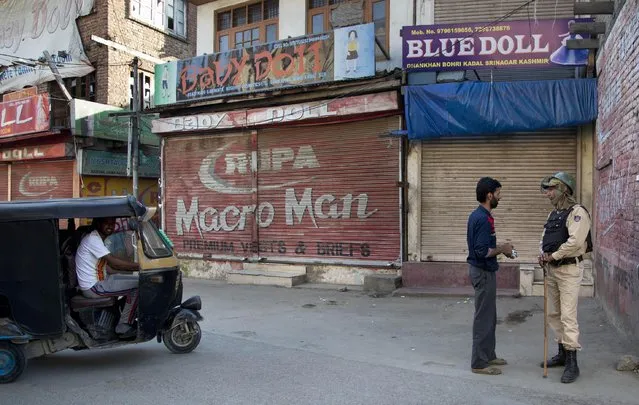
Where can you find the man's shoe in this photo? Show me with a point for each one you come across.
(571, 372)
(559, 360)
(497, 362)
(487, 371)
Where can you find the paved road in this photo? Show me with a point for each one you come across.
(266, 345)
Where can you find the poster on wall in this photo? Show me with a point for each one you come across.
(354, 52)
(509, 44)
(31, 27)
(347, 53)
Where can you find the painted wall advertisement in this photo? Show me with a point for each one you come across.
(41, 180)
(24, 116)
(31, 27)
(346, 53)
(509, 44)
(293, 195)
(92, 120)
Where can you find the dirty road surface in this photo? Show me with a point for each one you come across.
(268, 345)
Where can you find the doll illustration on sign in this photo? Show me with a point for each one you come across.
(352, 47)
(569, 57)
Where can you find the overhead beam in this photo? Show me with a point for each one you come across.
(589, 43)
(594, 7)
(126, 49)
(592, 28)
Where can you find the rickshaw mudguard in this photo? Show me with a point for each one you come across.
(179, 315)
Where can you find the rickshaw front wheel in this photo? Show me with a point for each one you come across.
(12, 362)
(183, 338)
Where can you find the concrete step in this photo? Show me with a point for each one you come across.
(586, 290)
(275, 278)
(280, 268)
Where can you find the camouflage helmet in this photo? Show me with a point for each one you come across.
(563, 177)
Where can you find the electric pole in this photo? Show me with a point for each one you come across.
(135, 127)
(133, 144)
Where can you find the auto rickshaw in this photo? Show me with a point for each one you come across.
(41, 309)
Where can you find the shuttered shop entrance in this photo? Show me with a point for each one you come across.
(316, 193)
(451, 168)
(42, 180)
(4, 182)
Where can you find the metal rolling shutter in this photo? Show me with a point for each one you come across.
(459, 11)
(42, 180)
(208, 194)
(324, 167)
(4, 182)
(451, 168)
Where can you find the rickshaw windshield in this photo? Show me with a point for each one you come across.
(153, 244)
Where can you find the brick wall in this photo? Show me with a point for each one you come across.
(143, 38)
(110, 20)
(617, 168)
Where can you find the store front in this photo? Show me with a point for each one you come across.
(318, 187)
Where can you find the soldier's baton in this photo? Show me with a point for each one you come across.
(545, 267)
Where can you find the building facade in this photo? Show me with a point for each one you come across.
(617, 170)
(487, 138)
(83, 152)
(410, 222)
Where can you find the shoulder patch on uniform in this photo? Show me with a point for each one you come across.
(577, 218)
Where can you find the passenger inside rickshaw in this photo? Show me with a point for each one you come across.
(96, 256)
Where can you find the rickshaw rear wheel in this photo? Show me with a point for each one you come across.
(183, 338)
(12, 362)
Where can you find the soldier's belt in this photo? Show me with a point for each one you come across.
(567, 260)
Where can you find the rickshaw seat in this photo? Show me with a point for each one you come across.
(81, 302)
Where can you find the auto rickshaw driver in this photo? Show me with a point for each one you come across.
(100, 273)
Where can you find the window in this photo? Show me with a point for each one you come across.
(82, 87)
(168, 15)
(145, 81)
(153, 243)
(375, 11)
(247, 25)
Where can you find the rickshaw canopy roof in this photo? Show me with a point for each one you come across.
(90, 207)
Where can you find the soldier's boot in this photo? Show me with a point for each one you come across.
(559, 359)
(571, 372)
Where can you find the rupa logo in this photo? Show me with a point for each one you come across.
(36, 186)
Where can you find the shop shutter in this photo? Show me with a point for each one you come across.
(41, 180)
(299, 181)
(4, 182)
(451, 168)
(460, 11)
(322, 169)
(208, 194)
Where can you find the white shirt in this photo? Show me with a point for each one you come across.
(90, 262)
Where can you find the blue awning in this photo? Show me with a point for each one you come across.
(481, 108)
